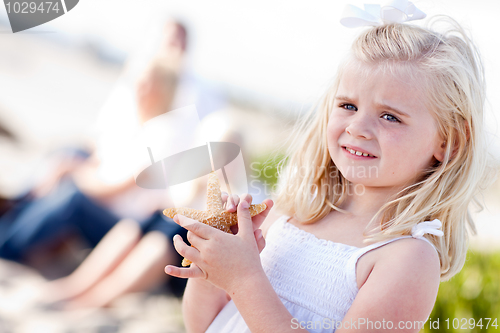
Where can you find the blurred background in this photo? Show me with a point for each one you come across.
(262, 63)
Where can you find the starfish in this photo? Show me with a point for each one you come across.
(215, 215)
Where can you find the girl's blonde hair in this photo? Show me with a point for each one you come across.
(453, 77)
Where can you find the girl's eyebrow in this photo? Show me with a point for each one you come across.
(344, 98)
(390, 108)
(380, 106)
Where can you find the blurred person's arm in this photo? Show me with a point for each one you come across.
(87, 180)
(56, 168)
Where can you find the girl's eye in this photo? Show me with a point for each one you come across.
(391, 118)
(349, 107)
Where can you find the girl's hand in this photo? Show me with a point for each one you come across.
(223, 259)
(231, 203)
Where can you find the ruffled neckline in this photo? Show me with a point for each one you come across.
(421, 228)
(311, 236)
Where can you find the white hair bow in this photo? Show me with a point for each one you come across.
(427, 227)
(395, 11)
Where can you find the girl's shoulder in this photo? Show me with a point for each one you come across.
(410, 251)
(402, 283)
(408, 256)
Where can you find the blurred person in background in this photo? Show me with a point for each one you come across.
(130, 257)
(88, 193)
(101, 175)
(75, 199)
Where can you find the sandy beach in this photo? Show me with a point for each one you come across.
(155, 312)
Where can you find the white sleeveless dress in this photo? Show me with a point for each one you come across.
(314, 278)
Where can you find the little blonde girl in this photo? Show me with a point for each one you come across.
(375, 198)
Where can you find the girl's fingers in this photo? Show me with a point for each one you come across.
(258, 219)
(259, 238)
(200, 229)
(195, 240)
(188, 252)
(223, 196)
(247, 197)
(236, 200)
(232, 203)
(232, 206)
(190, 272)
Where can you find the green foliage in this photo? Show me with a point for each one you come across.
(265, 169)
(472, 294)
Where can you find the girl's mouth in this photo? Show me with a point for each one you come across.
(358, 153)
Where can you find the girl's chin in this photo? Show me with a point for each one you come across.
(362, 182)
(360, 174)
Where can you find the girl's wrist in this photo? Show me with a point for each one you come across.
(244, 287)
(204, 284)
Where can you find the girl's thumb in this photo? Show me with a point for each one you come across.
(244, 204)
(244, 219)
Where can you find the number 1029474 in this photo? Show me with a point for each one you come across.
(32, 7)
(471, 323)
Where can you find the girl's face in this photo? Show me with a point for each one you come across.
(380, 134)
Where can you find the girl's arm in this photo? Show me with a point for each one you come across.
(399, 292)
(232, 263)
(261, 307)
(201, 303)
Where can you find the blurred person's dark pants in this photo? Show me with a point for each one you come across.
(66, 210)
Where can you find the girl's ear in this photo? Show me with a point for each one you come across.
(440, 152)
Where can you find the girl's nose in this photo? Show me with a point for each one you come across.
(360, 127)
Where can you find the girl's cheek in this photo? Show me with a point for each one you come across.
(334, 124)
(393, 137)
(330, 134)
(334, 131)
